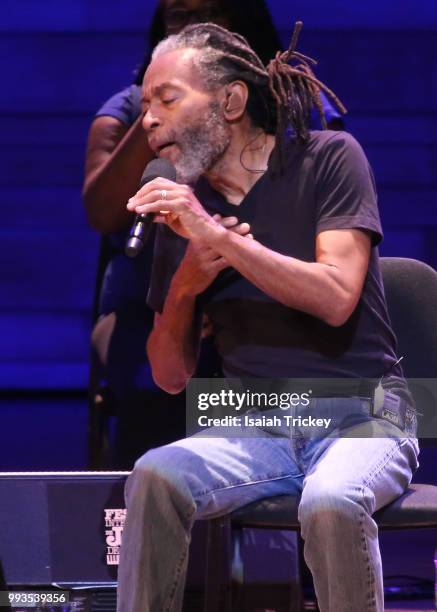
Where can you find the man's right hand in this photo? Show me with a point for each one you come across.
(201, 264)
(173, 345)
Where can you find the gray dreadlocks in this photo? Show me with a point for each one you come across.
(280, 95)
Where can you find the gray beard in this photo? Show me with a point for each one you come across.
(203, 144)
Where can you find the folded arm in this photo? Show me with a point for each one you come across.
(328, 288)
(173, 346)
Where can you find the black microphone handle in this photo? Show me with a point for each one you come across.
(138, 235)
(143, 223)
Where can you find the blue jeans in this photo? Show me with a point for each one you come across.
(343, 481)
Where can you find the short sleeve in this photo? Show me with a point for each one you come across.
(124, 105)
(167, 255)
(345, 188)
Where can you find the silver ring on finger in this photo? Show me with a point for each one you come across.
(163, 194)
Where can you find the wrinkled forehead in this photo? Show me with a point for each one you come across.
(174, 66)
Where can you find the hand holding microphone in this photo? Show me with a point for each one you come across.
(142, 225)
(177, 206)
(161, 199)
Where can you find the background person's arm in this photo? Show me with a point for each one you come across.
(115, 159)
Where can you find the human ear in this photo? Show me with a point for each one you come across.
(236, 95)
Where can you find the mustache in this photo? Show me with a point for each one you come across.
(170, 136)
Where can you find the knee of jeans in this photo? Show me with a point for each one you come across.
(159, 463)
(331, 503)
(163, 466)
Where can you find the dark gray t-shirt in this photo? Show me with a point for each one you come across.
(126, 280)
(327, 184)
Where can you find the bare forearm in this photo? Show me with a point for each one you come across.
(111, 179)
(328, 288)
(173, 345)
(314, 288)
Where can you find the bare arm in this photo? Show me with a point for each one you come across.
(173, 345)
(115, 159)
(328, 288)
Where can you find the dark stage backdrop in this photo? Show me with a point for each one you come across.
(60, 60)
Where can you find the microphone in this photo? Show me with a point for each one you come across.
(142, 225)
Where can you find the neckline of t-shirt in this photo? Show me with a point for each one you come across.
(255, 187)
(220, 198)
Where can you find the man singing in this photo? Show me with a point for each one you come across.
(270, 231)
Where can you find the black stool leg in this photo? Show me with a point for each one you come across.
(218, 566)
(306, 579)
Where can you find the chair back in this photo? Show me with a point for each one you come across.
(411, 293)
